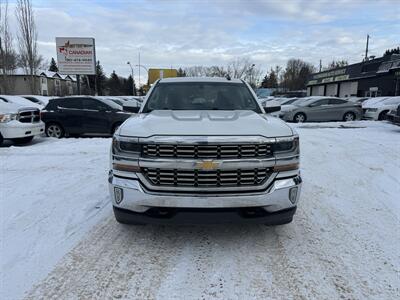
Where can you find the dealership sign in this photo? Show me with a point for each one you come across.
(76, 56)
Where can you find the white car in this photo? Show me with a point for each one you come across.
(41, 100)
(378, 109)
(19, 123)
(20, 101)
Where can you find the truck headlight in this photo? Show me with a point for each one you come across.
(125, 154)
(289, 144)
(127, 146)
(7, 117)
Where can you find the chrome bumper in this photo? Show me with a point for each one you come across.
(136, 198)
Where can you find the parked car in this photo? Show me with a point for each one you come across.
(130, 105)
(394, 115)
(319, 108)
(20, 101)
(203, 150)
(357, 99)
(379, 109)
(19, 123)
(82, 115)
(41, 100)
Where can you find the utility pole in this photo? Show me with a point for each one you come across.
(133, 80)
(78, 82)
(139, 70)
(366, 49)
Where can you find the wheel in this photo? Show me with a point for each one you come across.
(22, 141)
(54, 130)
(1, 139)
(115, 127)
(382, 115)
(349, 116)
(299, 118)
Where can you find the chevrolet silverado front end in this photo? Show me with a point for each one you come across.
(209, 165)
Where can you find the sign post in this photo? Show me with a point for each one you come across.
(76, 56)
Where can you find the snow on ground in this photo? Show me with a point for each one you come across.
(343, 243)
(51, 193)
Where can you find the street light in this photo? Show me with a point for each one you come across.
(141, 66)
(133, 81)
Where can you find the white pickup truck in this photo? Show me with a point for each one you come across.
(19, 123)
(203, 150)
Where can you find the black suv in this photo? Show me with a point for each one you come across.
(82, 115)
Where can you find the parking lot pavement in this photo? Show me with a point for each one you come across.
(343, 242)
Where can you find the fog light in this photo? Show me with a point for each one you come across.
(118, 194)
(293, 195)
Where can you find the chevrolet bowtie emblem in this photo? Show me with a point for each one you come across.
(207, 165)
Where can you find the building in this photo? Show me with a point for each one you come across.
(371, 78)
(44, 83)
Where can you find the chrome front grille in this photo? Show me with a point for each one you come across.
(29, 116)
(201, 179)
(207, 151)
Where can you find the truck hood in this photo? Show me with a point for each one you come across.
(212, 122)
(12, 108)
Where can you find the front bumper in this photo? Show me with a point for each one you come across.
(137, 200)
(15, 129)
(370, 115)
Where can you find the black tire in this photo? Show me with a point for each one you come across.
(115, 127)
(1, 139)
(382, 115)
(299, 118)
(281, 222)
(349, 116)
(22, 141)
(55, 130)
(120, 218)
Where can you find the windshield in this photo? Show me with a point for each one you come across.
(290, 101)
(201, 96)
(111, 103)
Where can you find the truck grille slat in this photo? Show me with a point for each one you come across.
(200, 178)
(29, 116)
(207, 151)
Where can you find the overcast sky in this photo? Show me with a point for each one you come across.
(187, 33)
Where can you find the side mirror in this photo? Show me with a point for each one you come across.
(271, 109)
(131, 109)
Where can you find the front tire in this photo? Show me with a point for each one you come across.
(22, 141)
(1, 139)
(54, 130)
(299, 118)
(382, 115)
(349, 116)
(121, 218)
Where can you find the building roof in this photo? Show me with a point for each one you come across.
(364, 69)
(48, 74)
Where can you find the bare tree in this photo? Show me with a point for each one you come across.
(240, 68)
(8, 57)
(296, 74)
(336, 64)
(27, 40)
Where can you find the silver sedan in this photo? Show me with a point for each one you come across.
(322, 109)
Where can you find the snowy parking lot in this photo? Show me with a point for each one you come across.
(59, 239)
